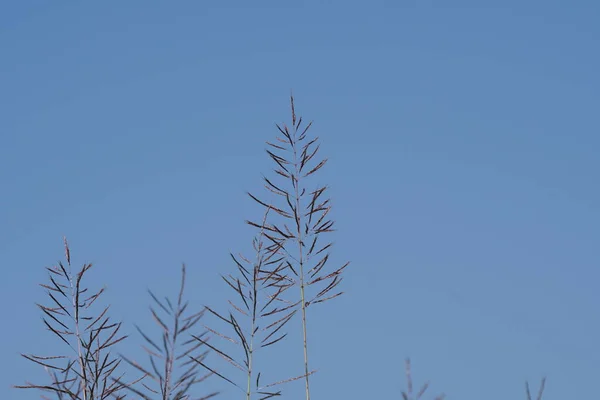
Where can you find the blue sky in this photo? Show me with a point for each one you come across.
(463, 142)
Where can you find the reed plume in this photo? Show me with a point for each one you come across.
(255, 319)
(89, 372)
(176, 348)
(299, 222)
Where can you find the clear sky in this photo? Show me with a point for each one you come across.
(463, 141)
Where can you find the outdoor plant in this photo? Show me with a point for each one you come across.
(291, 252)
(408, 394)
(175, 351)
(540, 391)
(288, 273)
(88, 371)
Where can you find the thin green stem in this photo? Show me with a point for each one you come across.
(255, 283)
(170, 361)
(249, 388)
(251, 344)
(299, 238)
(78, 334)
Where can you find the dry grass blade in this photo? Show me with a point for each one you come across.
(88, 372)
(177, 375)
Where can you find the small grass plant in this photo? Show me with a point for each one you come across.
(287, 275)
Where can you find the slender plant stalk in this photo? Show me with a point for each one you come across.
(540, 392)
(255, 289)
(300, 242)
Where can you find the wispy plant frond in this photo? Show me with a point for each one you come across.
(258, 290)
(175, 352)
(89, 371)
(299, 222)
(409, 394)
(540, 391)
